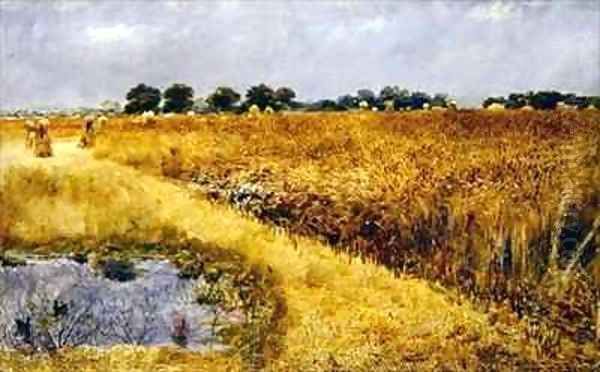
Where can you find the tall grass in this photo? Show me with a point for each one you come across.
(475, 200)
(340, 316)
(469, 199)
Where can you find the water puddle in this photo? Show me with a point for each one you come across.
(49, 304)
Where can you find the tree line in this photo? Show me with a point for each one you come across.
(543, 100)
(179, 98)
(390, 98)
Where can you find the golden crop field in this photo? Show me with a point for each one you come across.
(456, 240)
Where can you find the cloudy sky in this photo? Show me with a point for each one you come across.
(71, 53)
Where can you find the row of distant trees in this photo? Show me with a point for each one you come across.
(543, 100)
(389, 98)
(179, 98)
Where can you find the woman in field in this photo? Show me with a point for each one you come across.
(42, 142)
(88, 138)
(31, 129)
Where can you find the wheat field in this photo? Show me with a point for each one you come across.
(400, 241)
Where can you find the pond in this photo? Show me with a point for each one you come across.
(49, 304)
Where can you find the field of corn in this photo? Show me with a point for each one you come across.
(500, 210)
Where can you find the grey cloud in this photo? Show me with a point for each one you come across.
(70, 52)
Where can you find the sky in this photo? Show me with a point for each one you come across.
(75, 53)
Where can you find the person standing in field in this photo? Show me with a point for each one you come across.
(31, 129)
(42, 143)
(171, 164)
(88, 137)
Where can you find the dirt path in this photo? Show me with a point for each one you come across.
(65, 153)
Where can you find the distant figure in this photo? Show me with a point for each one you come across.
(171, 164)
(88, 137)
(99, 123)
(43, 143)
(31, 129)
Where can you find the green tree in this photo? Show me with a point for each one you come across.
(285, 95)
(574, 100)
(439, 100)
(326, 105)
(178, 98)
(366, 95)
(223, 98)
(142, 98)
(491, 100)
(347, 101)
(516, 101)
(261, 95)
(403, 102)
(594, 101)
(545, 100)
(419, 99)
(391, 93)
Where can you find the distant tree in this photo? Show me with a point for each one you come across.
(439, 100)
(178, 98)
(110, 106)
(142, 98)
(594, 101)
(579, 101)
(261, 95)
(569, 98)
(285, 95)
(392, 93)
(545, 100)
(388, 93)
(223, 98)
(542, 100)
(366, 95)
(491, 100)
(200, 105)
(327, 105)
(297, 105)
(347, 101)
(403, 102)
(516, 101)
(419, 99)
(390, 96)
